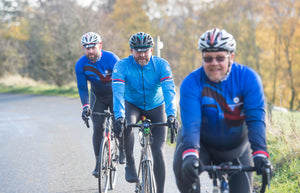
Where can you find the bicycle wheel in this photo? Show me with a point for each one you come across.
(103, 178)
(114, 162)
(148, 183)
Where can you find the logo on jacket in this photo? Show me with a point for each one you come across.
(236, 100)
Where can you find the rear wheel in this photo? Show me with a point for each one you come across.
(114, 162)
(103, 179)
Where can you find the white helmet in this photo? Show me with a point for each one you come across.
(90, 39)
(215, 40)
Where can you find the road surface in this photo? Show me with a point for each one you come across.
(46, 148)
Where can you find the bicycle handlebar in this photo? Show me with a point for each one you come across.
(227, 167)
(150, 125)
(146, 124)
(105, 114)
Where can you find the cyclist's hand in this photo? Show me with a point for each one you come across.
(191, 168)
(86, 112)
(120, 125)
(260, 163)
(173, 123)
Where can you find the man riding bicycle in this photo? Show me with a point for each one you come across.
(95, 66)
(222, 108)
(143, 85)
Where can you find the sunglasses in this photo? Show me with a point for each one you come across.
(209, 59)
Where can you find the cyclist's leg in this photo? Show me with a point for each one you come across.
(97, 105)
(177, 162)
(159, 136)
(132, 114)
(243, 181)
(182, 185)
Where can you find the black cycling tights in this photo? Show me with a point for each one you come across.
(159, 135)
(99, 105)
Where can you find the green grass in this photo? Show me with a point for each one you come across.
(284, 146)
(68, 91)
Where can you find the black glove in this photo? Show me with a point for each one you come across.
(119, 125)
(173, 123)
(86, 112)
(191, 168)
(260, 163)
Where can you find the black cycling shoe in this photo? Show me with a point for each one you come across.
(121, 156)
(96, 172)
(130, 173)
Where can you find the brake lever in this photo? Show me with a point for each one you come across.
(86, 121)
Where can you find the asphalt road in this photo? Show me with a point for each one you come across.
(46, 148)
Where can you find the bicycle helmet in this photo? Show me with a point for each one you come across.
(141, 42)
(215, 40)
(90, 39)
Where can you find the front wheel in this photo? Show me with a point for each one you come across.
(103, 179)
(148, 182)
(114, 162)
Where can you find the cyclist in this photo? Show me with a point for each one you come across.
(223, 115)
(143, 85)
(96, 67)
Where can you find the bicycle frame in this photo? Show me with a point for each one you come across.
(110, 168)
(107, 130)
(146, 157)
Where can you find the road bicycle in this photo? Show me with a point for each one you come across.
(108, 155)
(220, 175)
(146, 181)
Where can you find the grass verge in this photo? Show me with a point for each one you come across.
(284, 147)
(17, 84)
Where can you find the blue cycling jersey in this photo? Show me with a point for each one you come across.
(98, 73)
(146, 87)
(223, 115)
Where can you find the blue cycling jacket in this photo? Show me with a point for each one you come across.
(98, 73)
(223, 114)
(145, 87)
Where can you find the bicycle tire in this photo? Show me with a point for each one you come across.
(103, 179)
(148, 183)
(114, 162)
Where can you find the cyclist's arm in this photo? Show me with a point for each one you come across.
(254, 104)
(113, 59)
(168, 88)
(118, 87)
(190, 109)
(82, 82)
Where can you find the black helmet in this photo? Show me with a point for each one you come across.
(216, 40)
(141, 41)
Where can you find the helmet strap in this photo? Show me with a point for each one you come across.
(229, 67)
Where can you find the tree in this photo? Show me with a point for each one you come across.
(128, 17)
(285, 20)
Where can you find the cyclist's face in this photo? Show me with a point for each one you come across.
(216, 64)
(142, 58)
(93, 53)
